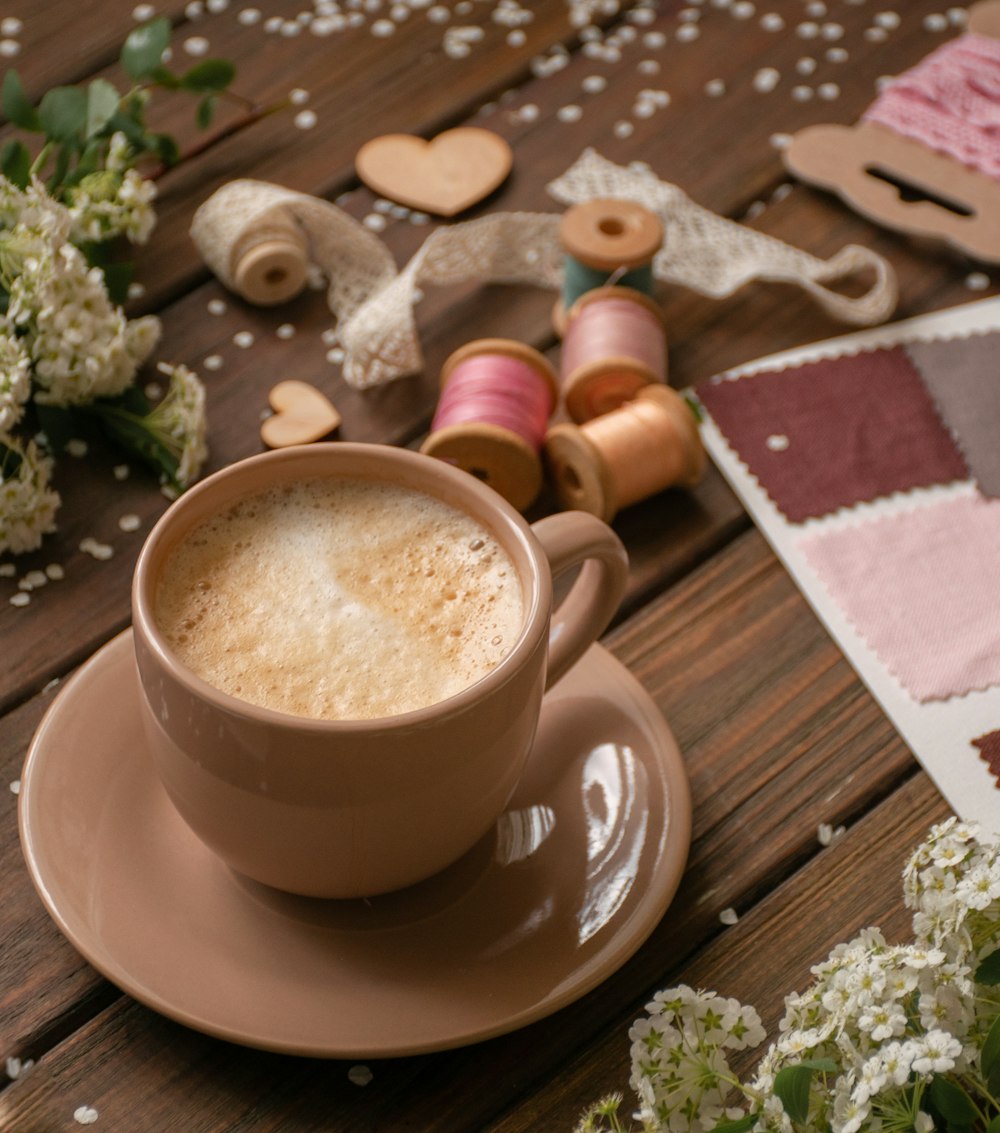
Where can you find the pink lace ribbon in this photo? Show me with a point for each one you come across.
(950, 102)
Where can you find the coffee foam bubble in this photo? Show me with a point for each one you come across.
(340, 599)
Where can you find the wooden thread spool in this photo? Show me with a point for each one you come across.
(615, 344)
(644, 446)
(270, 264)
(496, 400)
(607, 242)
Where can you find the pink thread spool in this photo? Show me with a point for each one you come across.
(496, 399)
(615, 344)
(642, 447)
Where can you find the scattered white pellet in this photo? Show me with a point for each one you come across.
(623, 129)
(837, 55)
(715, 88)
(9, 48)
(772, 21)
(11, 25)
(305, 119)
(594, 84)
(571, 113)
(977, 281)
(889, 20)
(195, 10)
(55, 572)
(827, 834)
(216, 306)
(335, 356)
(121, 471)
(21, 598)
(50, 685)
(766, 79)
(828, 91)
(7, 570)
(15, 1067)
(360, 1075)
(129, 522)
(648, 67)
(517, 38)
(248, 17)
(196, 45)
(143, 12)
(375, 221)
(136, 290)
(15, 789)
(876, 35)
(729, 916)
(85, 1115)
(101, 551)
(33, 579)
(832, 31)
(286, 330)
(244, 339)
(216, 6)
(777, 442)
(212, 362)
(780, 141)
(688, 33)
(802, 93)
(153, 390)
(76, 447)
(654, 40)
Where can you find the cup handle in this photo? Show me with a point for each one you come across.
(571, 538)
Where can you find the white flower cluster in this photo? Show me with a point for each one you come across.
(679, 1069)
(887, 1038)
(15, 378)
(27, 504)
(115, 201)
(179, 422)
(80, 345)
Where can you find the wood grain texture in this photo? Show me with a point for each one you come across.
(777, 732)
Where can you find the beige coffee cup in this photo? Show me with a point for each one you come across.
(350, 808)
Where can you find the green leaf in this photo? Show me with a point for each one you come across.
(131, 127)
(102, 105)
(165, 78)
(951, 1101)
(144, 48)
(165, 148)
(16, 105)
(994, 1125)
(205, 111)
(209, 75)
(988, 971)
(989, 1058)
(791, 1084)
(63, 113)
(740, 1125)
(15, 163)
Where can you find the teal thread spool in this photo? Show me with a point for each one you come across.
(605, 242)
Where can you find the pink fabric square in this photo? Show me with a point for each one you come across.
(921, 588)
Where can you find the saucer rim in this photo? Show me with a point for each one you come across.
(626, 939)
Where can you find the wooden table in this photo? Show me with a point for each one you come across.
(777, 733)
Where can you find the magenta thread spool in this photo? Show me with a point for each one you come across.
(496, 399)
(615, 344)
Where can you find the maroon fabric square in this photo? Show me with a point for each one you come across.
(989, 750)
(835, 432)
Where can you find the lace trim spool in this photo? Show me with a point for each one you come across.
(615, 343)
(606, 241)
(496, 399)
(270, 263)
(641, 448)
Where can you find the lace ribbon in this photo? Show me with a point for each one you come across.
(950, 102)
(374, 302)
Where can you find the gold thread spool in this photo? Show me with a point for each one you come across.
(601, 384)
(270, 264)
(611, 462)
(498, 456)
(608, 239)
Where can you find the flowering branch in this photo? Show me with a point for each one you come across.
(887, 1038)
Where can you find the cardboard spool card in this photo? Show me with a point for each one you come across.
(301, 415)
(901, 183)
(443, 176)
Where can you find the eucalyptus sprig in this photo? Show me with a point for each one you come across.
(77, 124)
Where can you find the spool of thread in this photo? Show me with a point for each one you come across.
(607, 241)
(615, 344)
(496, 399)
(643, 447)
(270, 263)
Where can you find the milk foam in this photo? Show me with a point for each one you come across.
(340, 599)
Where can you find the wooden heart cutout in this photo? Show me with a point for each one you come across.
(444, 176)
(301, 414)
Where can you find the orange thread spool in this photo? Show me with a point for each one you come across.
(615, 344)
(646, 445)
(497, 397)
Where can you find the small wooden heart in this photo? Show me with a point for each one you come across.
(444, 176)
(301, 414)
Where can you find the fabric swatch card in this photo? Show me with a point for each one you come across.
(872, 465)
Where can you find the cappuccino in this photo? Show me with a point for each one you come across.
(340, 599)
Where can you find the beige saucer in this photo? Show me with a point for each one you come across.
(575, 876)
